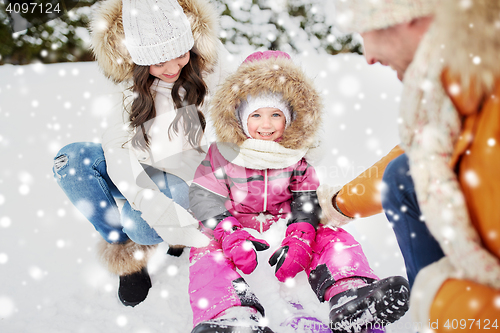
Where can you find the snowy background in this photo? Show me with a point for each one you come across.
(50, 280)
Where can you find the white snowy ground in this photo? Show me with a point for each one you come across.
(50, 280)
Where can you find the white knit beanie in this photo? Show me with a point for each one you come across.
(366, 15)
(155, 31)
(262, 101)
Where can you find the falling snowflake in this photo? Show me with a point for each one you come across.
(448, 233)
(5, 222)
(427, 85)
(343, 162)
(4, 258)
(202, 303)
(496, 301)
(338, 109)
(113, 236)
(86, 207)
(123, 186)
(349, 85)
(473, 304)
(172, 270)
(139, 255)
(465, 4)
(454, 89)
(373, 143)
(290, 283)
(471, 178)
(24, 189)
(248, 246)
(36, 273)
(7, 307)
(111, 217)
(308, 207)
(121, 321)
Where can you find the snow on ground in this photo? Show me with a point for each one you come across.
(50, 280)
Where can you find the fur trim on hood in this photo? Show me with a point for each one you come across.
(467, 29)
(107, 37)
(275, 75)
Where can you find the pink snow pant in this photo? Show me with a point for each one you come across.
(215, 285)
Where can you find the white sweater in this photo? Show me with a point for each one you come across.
(174, 156)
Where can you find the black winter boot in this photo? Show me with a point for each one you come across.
(134, 287)
(128, 260)
(382, 302)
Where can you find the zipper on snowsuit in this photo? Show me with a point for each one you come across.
(265, 199)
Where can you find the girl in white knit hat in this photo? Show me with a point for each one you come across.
(168, 53)
(259, 172)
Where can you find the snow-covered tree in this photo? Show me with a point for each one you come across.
(288, 25)
(58, 40)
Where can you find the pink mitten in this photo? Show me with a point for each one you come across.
(295, 253)
(239, 245)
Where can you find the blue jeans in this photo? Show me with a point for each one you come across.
(418, 246)
(80, 170)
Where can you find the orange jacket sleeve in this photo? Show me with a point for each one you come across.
(361, 197)
(465, 306)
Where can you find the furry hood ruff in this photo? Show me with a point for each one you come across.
(275, 75)
(107, 37)
(478, 27)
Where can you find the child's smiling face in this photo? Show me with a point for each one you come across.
(266, 124)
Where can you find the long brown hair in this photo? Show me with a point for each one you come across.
(143, 107)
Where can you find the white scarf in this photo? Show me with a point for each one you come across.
(261, 154)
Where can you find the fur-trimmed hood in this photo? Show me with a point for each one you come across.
(275, 75)
(107, 37)
(470, 33)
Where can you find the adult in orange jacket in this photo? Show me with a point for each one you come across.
(446, 53)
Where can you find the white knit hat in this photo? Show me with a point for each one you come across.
(366, 15)
(262, 101)
(155, 31)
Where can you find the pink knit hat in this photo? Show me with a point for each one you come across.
(366, 15)
(266, 55)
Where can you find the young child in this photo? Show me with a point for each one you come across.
(170, 56)
(266, 117)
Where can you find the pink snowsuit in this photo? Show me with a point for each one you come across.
(222, 189)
